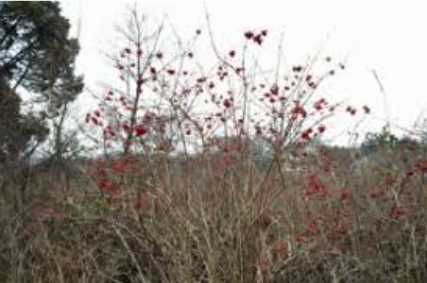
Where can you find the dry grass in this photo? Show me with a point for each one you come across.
(198, 220)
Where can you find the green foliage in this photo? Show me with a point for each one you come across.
(375, 142)
(17, 132)
(36, 57)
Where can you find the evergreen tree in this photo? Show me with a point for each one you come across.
(37, 58)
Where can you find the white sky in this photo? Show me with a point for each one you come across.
(389, 37)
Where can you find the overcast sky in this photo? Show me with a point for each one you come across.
(388, 37)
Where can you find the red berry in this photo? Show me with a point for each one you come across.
(249, 35)
(140, 131)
